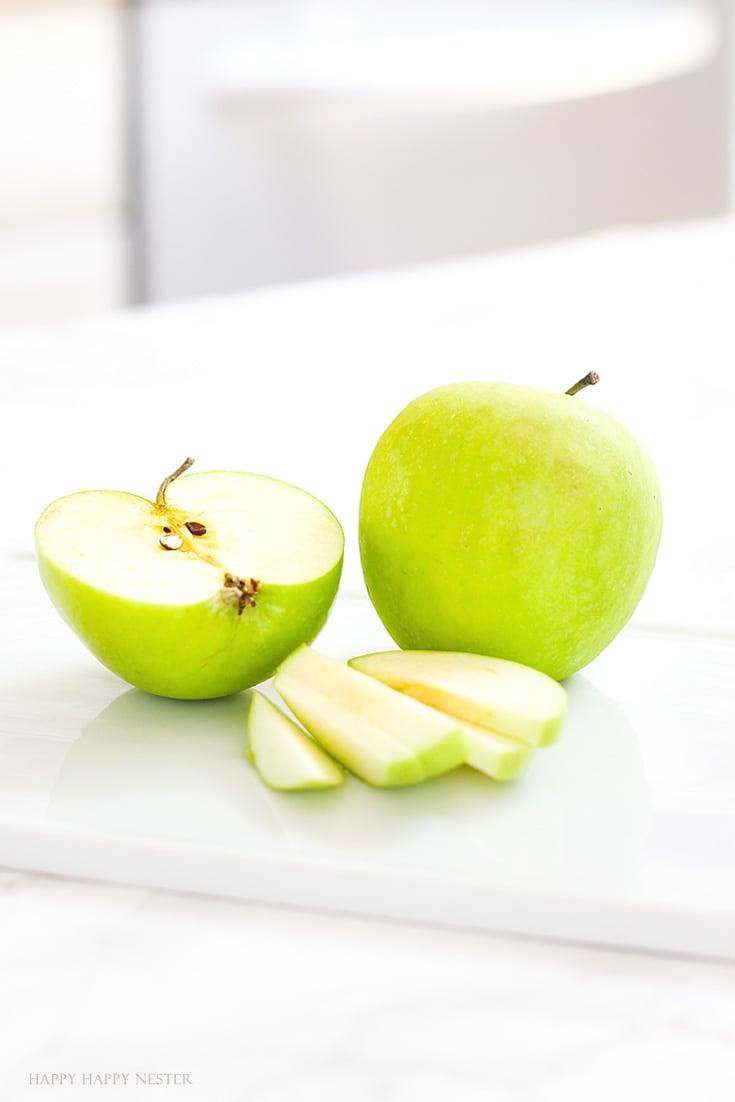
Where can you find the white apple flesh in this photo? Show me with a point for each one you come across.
(506, 697)
(382, 736)
(201, 593)
(284, 755)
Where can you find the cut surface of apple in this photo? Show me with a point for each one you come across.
(382, 736)
(284, 755)
(200, 593)
(498, 756)
(506, 697)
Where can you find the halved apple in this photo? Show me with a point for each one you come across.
(382, 736)
(506, 697)
(284, 755)
(200, 593)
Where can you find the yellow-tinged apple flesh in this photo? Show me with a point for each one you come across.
(382, 736)
(506, 697)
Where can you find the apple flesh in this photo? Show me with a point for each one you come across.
(505, 697)
(504, 520)
(499, 757)
(284, 755)
(382, 736)
(201, 593)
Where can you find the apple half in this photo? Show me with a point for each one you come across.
(382, 736)
(200, 593)
(284, 755)
(506, 697)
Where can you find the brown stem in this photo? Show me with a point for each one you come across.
(161, 495)
(178, 528)
(589, 380)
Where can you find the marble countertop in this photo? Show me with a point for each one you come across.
(237, 1001)
(260, 1004)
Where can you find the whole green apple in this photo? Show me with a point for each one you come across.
(200, 593)
(508, 521)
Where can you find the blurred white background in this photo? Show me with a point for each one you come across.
(174, 148)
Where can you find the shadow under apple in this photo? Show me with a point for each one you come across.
(574, 821)
(166, 769)
(177, 771)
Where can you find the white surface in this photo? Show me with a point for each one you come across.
(273, 1004)
(623, 833)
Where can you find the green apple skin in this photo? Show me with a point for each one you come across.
(195, 652)
(508, 521)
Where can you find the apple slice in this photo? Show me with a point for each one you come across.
(506, 697)
(382, 736)
(200, 593)
(499, 757)
(284, 755)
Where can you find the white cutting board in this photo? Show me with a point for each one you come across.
(622, 833)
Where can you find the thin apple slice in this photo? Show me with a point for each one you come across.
(284, 755)
(382, 736)
(499, 757)
(506, 697)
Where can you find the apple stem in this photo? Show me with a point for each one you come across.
(161, 495)
(589, 380)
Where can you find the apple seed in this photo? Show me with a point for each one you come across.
(171, 543)
(196, 528)
(246, 588)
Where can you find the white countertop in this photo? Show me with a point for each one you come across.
(256, 1002)
(259, 1004)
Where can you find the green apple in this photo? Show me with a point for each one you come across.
(510, 521)
(508, 698)
(381, 735)
(284, 755)
(200, 593)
